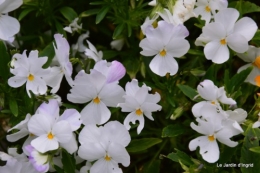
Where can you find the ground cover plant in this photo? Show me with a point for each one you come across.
(110, 86)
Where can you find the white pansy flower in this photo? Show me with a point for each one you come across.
(252, 57)
(117, 44)
(257, 123)
(226, 32)
(92, 52)
(152, 3)
(140, 103)
(29, 70)
(165, 42)
(106, 145)
(148, 22)
(74, 26)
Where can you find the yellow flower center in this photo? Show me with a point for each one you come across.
(50, 136)
(96, 100)
(257, 62)
(138, 112)
(30, 77)
(223, 41)
(207, 8)
(257, 80)
(155, 24)
(107, 158)
(213, 102)
(211, 138)
(163, 52)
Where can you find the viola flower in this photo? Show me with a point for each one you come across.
(257, 123)
(208, 8)
(74, 26)
(64, 65)
(106, 145)
(29, 70)
(152, 3)
(165, 42)
(92, 52)
(95, 89)
(252, 57)
(9, 26)
(140, 103)
(148, 22)
(117, 44)
(226, 32)
(210, 92)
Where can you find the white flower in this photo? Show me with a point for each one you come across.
(29, 70)
(226, 32)
(166, 42)
(139, 102)
(106, 145)
(207, 8)
(117, 44)
(93, 87)
(210, 92)
(252, 57)
(79, 46)
(257, 123)
(73, 26)
(148, 22)
(9, 26)
(92, 52)
(152, 3)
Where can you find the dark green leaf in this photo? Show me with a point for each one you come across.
(118, 30)
(49, 52)
(180, 156)
(256, 38)
(68, 13)
(188, 91)
(58, 169)
(89, 12)
(97, 3)
(137, 145)
(59, 28)
(132, 67)
(211, 73)
(195, 52)
(244, 7)
(102, 13)
(13, 106)
(255, 149)
(239, 78)
(152, 167)
(24, 13)
(107, 54)
(69, 162)
(4, 60)
(172, 130)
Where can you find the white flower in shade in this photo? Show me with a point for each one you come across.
(212, 130)
(29, 70)
(226, 32)
(152, 3)
(165, 42)
(252, 57)
(94, 88)
(117, 44)
(9, 26)
(38, 160)
(113, 71)
(74, 26)
(92, 52)
(148, 22)
(64, 66)
(16, 166)
(257, 123)
(140, 103)
(207, 8)
(79, 46)
(53, 130)
(106, 145)
(12, 155)
(86, 168)
(210, 92)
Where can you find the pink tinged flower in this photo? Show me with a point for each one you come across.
(92, 52)
(64, 65)
(140, 103)
(30, 71)
(165, 42)
(106, 145)
(114, 71)
(39, 161)
(226, 32)
(9, 26)
(93, 88)
(212, 131)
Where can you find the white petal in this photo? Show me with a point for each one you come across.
(222, 97)
(62, 131)
(72, 116)
(22, 124)
(43, 144)
(237, 43)
(256, 124)
(51, 109)
(207, 90)
(9, 27)
(91, 151)
(132, 117)
(197, 108)
(216, 52)
(246, 27)
(16, 81)
(40, 124)
(223, 137)
(10, 5)
(215, 31)
(105, 167)
(90, 133)
(18, 135)
(71, 146)
(119, 154)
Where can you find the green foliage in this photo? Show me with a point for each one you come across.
(137, 145)
(244, 7)
(68, 161)
(173, 130)
(188, 91)
(68, 13)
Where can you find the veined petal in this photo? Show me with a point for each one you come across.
(216, 52)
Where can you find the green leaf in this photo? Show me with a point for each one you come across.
(132, 67)
(195, 52)
(69, 162)
(244, 7)
(228, 87)
(49, 52)
(13, 106)
(24, 13)
(59, 28)
(180, 156)
(239, 78)
(4, 60)
(68, 13)
(118, 30)
(137, 145)
(58, 169)
(251, 140)
(188, 91)
(102, 13)
(255, 149)
(172, 130)
(107, 54)
(89, 12)
(152, 167)
(256, 38)
(211, 73)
